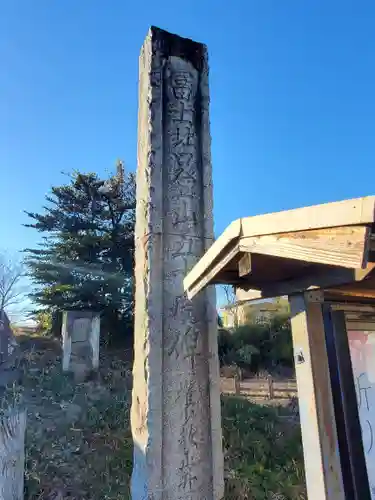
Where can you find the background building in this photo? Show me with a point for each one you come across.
(258, 312)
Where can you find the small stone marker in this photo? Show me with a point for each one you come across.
(175, 415)
(80, 339)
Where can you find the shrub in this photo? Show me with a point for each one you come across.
(225, 345)
(246, 354)
(263, 453)
(43, 319)
(258, 346)
(281, 347)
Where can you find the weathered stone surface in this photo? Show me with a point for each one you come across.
(9, 353)
(80, 339)
(175, 417)
(12, 454)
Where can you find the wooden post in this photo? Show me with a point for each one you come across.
(237, 387)
(352, 454)
(270, 387)
(319, 434)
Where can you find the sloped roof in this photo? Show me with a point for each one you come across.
(319, 246)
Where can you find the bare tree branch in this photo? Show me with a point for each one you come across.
(231, 299)
(11, 274)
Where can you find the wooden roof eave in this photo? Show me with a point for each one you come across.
(337, 282)
(216, 257)
(333, 235)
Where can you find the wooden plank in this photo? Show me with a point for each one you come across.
(361, 326)
(353, 308)
(351, 292)
(319, 433)
(224, 242)
(247, 295)
(244, 265)
(361, 290)
(191, 292)
(326, 279)
(345, 213)
(266, 388)
(359, 320)
(357, 211)
(342, 246)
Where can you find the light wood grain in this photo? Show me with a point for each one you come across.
(357, 211)
(222, 244)
(326, 279)
(343, 246)
(215, 269)
(317, 416)
(244, 265)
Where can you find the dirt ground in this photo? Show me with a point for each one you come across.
(79, 446)
(74, 429)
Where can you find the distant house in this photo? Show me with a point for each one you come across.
(259, 312)
(25, 329)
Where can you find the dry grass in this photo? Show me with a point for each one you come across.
(79, 442)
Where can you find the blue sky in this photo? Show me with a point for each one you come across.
(292, 88)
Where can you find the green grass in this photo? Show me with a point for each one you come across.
(263, 453)
(79, 442)
(87, 457)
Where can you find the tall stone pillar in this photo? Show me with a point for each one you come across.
(175, 414)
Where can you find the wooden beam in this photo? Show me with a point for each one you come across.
(353, 307)
(212, 272)
(244, 265)
(341, 246)
(243, 295)
(345, 213)
(319, 434)
(358, 326)
(216, 251)
(327, 278)
(358, 211)
(360, 320)
(351, 291)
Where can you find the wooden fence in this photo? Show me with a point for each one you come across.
(266, 388)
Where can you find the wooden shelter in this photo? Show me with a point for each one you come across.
(323, 258)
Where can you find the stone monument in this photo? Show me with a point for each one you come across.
(80, 339)
(12, 416)
(175, 417)
(9, 353)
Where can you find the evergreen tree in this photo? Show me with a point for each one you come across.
(85, 259)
